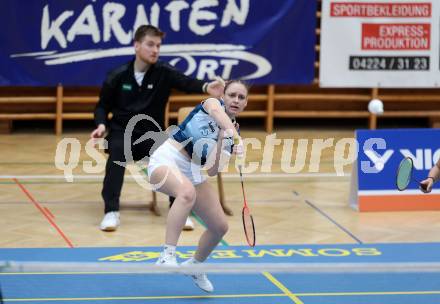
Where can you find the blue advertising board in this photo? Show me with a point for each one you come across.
(46, 42)
(374, 173)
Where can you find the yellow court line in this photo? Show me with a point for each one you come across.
(285, 294)
(283, 288)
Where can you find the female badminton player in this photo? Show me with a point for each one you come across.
(205, 139)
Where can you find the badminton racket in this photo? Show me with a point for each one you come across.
(404, 174)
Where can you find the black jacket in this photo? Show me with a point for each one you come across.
(122, 96)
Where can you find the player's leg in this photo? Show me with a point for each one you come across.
(113, 180)
(171, 182)
(189, 224)
(208, 208)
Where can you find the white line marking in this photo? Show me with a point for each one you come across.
(25, 267)
(224, 175)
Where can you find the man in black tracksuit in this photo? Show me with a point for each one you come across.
(141, 86)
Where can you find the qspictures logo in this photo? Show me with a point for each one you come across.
(68, 150)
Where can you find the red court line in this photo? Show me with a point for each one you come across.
(48, 212)
(39, 207)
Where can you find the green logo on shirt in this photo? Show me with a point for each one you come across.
(126, 87)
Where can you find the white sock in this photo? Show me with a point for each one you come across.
(169, 249)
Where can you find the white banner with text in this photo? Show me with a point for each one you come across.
(380, 43)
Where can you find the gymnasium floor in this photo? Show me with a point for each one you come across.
(45, 218)
(34, 287)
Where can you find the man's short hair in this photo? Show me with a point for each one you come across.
(147, 30)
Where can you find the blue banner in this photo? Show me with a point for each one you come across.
(77, 42)
(381, 151)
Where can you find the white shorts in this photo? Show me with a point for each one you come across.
(168, 155)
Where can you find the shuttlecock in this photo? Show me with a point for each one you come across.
(375, 106)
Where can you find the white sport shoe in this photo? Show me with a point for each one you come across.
(168, 260)
(110, 222)
(200, 279)
(189, 225)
